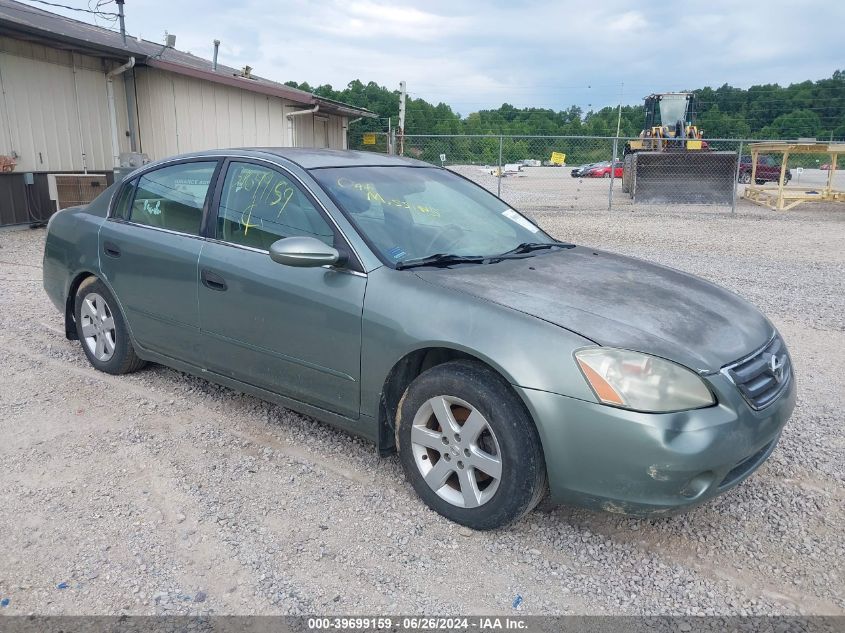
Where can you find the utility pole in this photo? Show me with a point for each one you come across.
(401, 118)
(615, 149)
(120, 4)
(619, 116)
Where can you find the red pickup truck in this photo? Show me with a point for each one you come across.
(768, 170)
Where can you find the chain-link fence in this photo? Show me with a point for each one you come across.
(588, 172)
(380, 142)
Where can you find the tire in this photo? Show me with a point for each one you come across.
(465, 461)
(109, 348)
(607, 175)
(760, 181)
(745, 178)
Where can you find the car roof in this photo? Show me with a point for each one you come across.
(311, 158)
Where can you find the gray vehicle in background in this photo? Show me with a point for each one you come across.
(407, 305)
(579, 171)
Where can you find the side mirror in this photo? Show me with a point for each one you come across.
(303, 252)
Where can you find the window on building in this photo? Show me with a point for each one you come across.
(260, 205)
(173, 197)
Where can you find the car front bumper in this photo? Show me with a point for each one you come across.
(647, 464)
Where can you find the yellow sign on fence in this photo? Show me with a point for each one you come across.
(558, 158)
(369, 138)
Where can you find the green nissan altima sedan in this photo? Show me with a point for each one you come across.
(405, 304)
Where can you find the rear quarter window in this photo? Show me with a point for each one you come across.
(124, 200)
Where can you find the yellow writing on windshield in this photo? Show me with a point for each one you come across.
(369, 190)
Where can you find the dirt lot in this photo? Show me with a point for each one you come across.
(162, 493)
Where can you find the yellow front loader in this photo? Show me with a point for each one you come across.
(670, 162)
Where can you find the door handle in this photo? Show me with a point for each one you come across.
(111, 249)
(212, 281)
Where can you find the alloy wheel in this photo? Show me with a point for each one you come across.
(98, 329)
(456, 451)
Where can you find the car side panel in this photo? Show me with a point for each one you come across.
(155, 281)
(294, 331)
(403, 313)
(70, 249)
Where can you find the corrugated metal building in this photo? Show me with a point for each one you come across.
(59, 78)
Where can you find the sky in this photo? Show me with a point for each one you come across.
(477, 55)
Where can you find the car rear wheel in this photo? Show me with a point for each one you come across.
(745, 178)
(102, 330)
(469, 447)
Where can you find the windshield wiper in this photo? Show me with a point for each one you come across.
(446, 259)
(527, 247)
(440, 259)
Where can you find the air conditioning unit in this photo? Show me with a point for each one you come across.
(72, 190)
(129, 162)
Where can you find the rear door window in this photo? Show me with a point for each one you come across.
(173, 197)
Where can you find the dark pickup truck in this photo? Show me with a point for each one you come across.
(768, 170)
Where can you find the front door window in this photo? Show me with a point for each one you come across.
(260, 205)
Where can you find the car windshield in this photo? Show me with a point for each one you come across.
(409, 213)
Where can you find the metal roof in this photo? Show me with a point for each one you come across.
(22, 21)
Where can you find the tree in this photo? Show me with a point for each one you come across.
(801, 123)
(808, 108)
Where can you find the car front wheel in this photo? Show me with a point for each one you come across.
(469, 447)
(102, 330)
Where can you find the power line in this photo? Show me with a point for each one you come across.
(97, 12)
(69, 8)
(40, 12)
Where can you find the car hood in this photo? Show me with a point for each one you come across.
(620, 301)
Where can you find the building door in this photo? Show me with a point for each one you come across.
(321, 132)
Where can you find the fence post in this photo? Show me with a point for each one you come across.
(499, 185)
(612, 174)
(736, 178)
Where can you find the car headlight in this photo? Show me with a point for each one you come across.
(632, 380)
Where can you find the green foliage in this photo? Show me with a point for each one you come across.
(806, 109)
(800, 123)
(809, 109)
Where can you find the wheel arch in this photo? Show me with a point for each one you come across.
(70, 307)
(70, 301)
(405, 370)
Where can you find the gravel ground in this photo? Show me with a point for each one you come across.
(162, 493)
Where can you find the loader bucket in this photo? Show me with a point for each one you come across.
(688, 177)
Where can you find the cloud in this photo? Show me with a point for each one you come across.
(630, 21)
(524, 52)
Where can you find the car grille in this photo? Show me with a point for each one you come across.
(764, 375)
